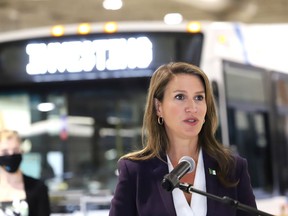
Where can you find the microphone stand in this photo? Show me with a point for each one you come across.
(188, 188)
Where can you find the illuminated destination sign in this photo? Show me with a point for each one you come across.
(87, 56)
(95, 56)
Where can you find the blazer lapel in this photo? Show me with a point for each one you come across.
(212, 186)
(159, 171)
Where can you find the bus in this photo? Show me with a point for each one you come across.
(76, 94)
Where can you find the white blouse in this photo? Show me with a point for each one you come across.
(198, 205)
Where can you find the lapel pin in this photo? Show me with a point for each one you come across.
(212, 171)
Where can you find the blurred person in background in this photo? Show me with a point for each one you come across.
(20, 194)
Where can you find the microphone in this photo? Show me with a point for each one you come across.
(171, 180)
(186, 164)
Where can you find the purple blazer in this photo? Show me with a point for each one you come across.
(139, 190)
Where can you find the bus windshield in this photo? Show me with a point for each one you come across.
(97, 56)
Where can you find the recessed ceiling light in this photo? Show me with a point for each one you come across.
(173, 18)
(112, 4)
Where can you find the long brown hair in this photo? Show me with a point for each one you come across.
(154, 137)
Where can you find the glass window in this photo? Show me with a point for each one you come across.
(76, 141)
(244, 83)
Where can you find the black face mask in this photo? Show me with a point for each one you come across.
(11, 163)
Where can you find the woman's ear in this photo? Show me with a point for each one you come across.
(157, 105)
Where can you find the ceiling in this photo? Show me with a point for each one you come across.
(19, 14)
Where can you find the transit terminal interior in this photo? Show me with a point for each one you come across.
(76, 90)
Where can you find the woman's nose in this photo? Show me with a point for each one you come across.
(10, 152)
(191, 107)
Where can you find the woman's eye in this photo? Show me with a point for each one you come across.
(199, 97)
(180, 96)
